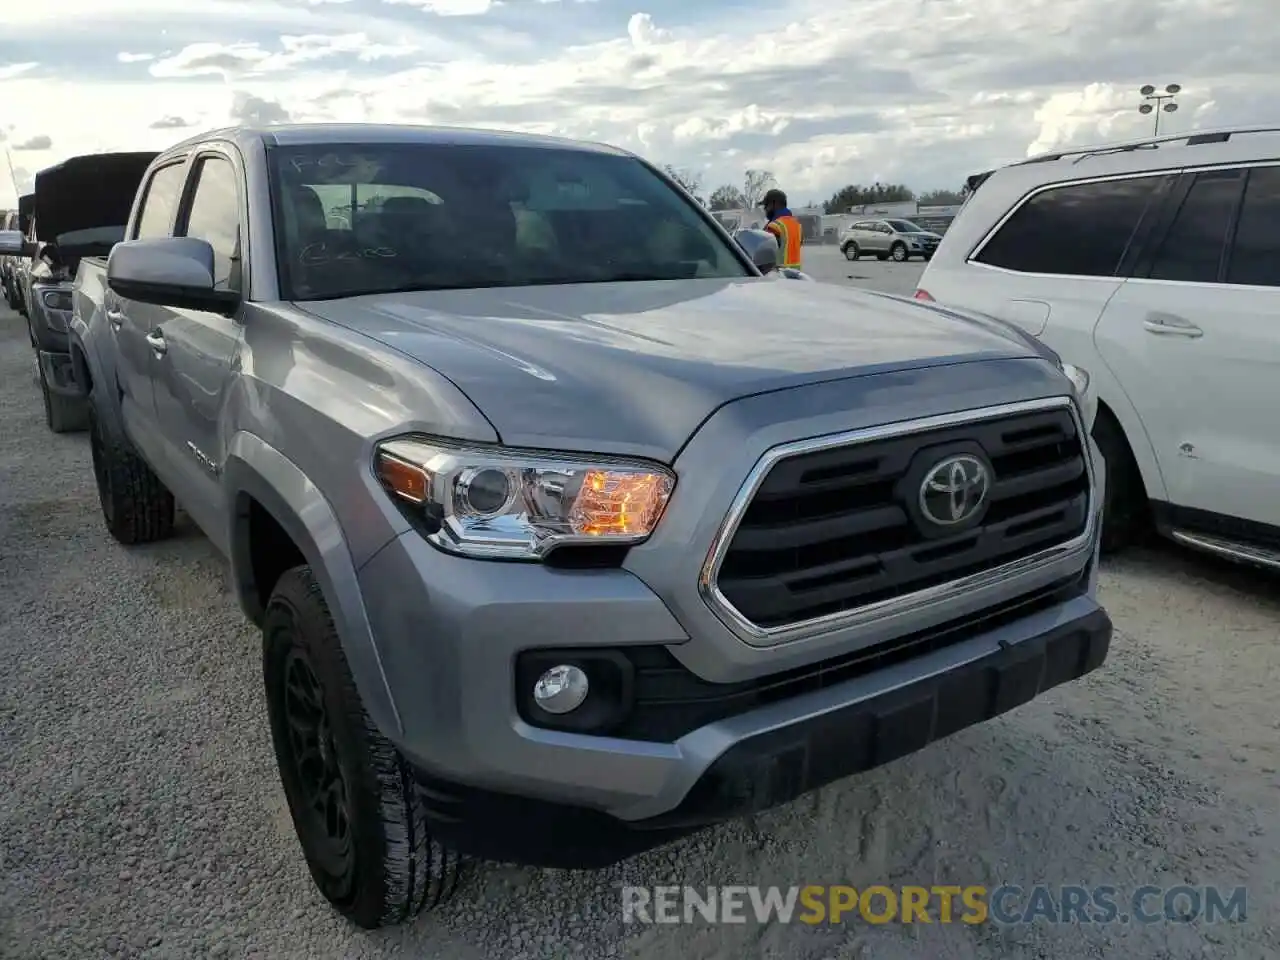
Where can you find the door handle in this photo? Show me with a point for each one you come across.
(115, 318)
(1169, 324)
(155, 340)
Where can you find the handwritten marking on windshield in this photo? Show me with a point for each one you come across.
(317, 253)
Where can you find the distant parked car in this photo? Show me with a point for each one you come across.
(899, 239)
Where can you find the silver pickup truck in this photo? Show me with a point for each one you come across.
(569, 528)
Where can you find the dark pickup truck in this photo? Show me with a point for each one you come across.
(79, 209)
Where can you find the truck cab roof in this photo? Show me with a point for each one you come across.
(308, 134)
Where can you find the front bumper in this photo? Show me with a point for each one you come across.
(449, 633)
(774, 755)
(583, 800)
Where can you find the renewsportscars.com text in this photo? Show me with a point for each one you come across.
(1005, 905)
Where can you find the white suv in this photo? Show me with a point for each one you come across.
(1155, 265)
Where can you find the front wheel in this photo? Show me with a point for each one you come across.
(899, 252)
(1125, 516)
(356, 807)
(851, 251)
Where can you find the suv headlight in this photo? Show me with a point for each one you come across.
(1085, 397)
(506, 504)
(57, 300)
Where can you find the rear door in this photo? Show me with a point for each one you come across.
(1195, 336)
(194, 371)
(131, 322)
(881, 236)
(1053, 263)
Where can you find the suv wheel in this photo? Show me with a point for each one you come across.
(851, 251)
(136, 506)
(899, 252)
(356, 807)
(1124, 506)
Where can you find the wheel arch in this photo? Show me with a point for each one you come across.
(260, 478)
(1115, 404)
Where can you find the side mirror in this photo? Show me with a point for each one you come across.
(14, 244)
(169, 272)
(761, 247)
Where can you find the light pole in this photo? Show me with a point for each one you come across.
(1153, 103)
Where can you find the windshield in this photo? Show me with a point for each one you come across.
(905, 226)
(374, 218)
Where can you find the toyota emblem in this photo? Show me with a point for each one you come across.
(954, 490)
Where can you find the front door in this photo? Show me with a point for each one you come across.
(199, 350)
(1196, 345)
(131, 322)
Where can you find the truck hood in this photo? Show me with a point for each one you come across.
(637, 367)
(95, 190)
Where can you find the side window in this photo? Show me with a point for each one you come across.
(1255, 257)
(215, 218)
(158, 205)
(1080, 230)
(1194, 244)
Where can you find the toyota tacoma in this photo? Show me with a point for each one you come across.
(570, 526)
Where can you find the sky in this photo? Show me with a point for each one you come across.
(822, 93)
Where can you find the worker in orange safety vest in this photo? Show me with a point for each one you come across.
(785, 227)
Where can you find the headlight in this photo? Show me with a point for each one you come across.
(1085, 396)
(57, 300)
(506, 504)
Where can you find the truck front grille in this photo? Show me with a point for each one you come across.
(836, 529)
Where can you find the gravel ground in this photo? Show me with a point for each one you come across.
(140, 814)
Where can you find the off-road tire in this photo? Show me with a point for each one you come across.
(851, 251)
(136, 506)
(1126, 518)
(899, 253)
(62, 414)
(394, 869)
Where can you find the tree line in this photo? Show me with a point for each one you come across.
(755, 183)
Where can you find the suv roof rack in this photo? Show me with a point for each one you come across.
(1192, 139)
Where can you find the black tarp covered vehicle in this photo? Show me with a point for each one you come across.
(80, 210)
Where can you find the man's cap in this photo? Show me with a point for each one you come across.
(774, 196)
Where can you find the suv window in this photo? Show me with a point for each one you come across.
(215, 217)
(156, 216)
(1255, 258)
(1193, 247)
(1079, 230)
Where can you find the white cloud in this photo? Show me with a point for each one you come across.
(450, 8)
(10, 70)
(171, 122)
(917, 91)
(231, 60)
(41, 141)
(644, 32)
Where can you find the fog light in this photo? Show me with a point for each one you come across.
(561, 689)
